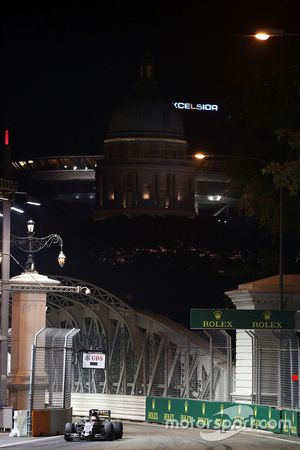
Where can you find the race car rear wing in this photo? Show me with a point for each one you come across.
(101, 413)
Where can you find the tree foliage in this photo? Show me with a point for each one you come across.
(270, 133)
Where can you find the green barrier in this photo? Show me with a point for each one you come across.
(214, 415)
(289, 421)
(266, 418)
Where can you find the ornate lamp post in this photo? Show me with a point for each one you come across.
(32, 244)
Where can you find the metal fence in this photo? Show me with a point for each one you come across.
(161, 367)
(165, 368)
(51, 371)
(275, 368)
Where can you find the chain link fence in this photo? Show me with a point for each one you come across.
(51, 371)
(168, 368)
(276, 368)
(162, 367)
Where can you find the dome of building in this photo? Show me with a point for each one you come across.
(145, 169)
(145, 114)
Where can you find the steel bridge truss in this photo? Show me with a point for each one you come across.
(146, 353)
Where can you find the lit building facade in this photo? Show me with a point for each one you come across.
(145, 170)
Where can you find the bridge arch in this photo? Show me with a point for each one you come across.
(147, 354)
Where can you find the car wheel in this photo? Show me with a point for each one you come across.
(67, 437)
(108, 431)
(118, 430)
(70, 428)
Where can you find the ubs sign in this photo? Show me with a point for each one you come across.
(196, 106)
(93, 360)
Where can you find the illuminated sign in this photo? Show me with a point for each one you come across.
(241, 319)
(93, 360)
(197, 107)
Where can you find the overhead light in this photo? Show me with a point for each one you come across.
(30, 161)
(34, 203)
(4, 199)
(74, 167)
(13, 208)
(214, 198)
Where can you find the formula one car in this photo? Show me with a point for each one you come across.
(98, 426)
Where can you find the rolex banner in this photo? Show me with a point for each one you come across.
(247, 319)
(212, 415)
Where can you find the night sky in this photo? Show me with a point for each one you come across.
(63, 71)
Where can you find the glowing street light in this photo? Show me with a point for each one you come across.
(261, 36)
(200, 155)
(264, 35)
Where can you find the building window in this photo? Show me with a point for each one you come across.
(180, 194)
(111, 193)
(146, 191)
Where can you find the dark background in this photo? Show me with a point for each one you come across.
(64, 69)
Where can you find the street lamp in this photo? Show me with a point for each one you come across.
(265, 34)
(201, 156)
(32, 244)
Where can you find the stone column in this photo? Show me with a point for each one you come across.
(262, 295)
(28, 317)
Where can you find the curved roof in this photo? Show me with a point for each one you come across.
(145, 114)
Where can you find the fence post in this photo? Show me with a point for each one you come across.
(65, 368)
(166, 366)
(228, 364)
(211, 380)
(279, 399)
(291, 373)
(30, 394)
(187, 368)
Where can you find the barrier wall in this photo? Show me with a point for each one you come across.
(128, 407)
(194, 412)
(218, 415)
(50, 421)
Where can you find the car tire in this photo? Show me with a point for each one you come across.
(68, 438)
(118, 430)
(108, 431)
(70, 427)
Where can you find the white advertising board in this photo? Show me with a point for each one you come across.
(93, 360)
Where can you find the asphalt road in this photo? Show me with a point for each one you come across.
(139, 436)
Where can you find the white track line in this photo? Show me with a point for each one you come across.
(30, 441)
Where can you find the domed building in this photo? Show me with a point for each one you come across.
(145, 170)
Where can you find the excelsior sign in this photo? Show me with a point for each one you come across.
(93, 360)
(196, 106)
(246, 319)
